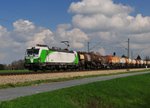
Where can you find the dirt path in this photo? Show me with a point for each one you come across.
(33, 77)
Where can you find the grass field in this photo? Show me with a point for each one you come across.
(129, 92)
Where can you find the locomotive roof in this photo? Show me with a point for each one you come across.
(53, 48)
(60, 50)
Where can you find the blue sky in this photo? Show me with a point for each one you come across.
(25, 23)
(50, 13)
(140, 6)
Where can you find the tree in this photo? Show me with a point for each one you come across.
(147, 58)
(16, 65)
(123, 56)
(138, 57)
(2, 66)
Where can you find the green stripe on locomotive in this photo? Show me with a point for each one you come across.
(76, 61)
(44, 54)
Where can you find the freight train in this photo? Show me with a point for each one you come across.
(41, 57)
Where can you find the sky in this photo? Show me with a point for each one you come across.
(106, 24)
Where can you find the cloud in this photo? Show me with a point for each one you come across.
(97, 18)
(75, 36)
(109, 23)
(2, 56)
(28, 33)
(23, 25)
(4, 36)
(106, 7)
(102, 51)
(23, 35)
(45, 36)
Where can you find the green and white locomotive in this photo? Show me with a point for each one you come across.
(41, 57)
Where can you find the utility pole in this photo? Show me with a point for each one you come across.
(131, 54)
(128, 68)
(128, 48)
(88, 46)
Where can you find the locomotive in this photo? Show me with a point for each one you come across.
(41, 57)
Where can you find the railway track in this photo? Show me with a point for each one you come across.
(45, 72)
(15, 73)
(40, 72)
(36, 72)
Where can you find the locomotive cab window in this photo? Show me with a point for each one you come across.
(32, 51)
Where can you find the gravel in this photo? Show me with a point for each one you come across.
(13, 79)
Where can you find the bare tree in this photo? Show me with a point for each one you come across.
(147, 58)
(2, 66)
(16, 65)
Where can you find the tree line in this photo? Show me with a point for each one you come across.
(15, 65)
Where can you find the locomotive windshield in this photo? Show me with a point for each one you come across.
(32, 51)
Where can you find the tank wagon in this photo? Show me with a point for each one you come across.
(41, 57)
(113, 61)
(91, 60)
(124, 62)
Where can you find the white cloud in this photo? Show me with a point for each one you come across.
(106, 7)
(97, 18)
(102, 51)
(75, 36)
(2, 56)
(24, 34)
(139, 24)
(43, 37)
(110, 22)
(4, 36)
(118, 23)
(23, 25)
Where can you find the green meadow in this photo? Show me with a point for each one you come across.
(128, 92)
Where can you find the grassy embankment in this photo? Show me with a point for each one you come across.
(28, 83)
(13, 71)
(129, 92)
